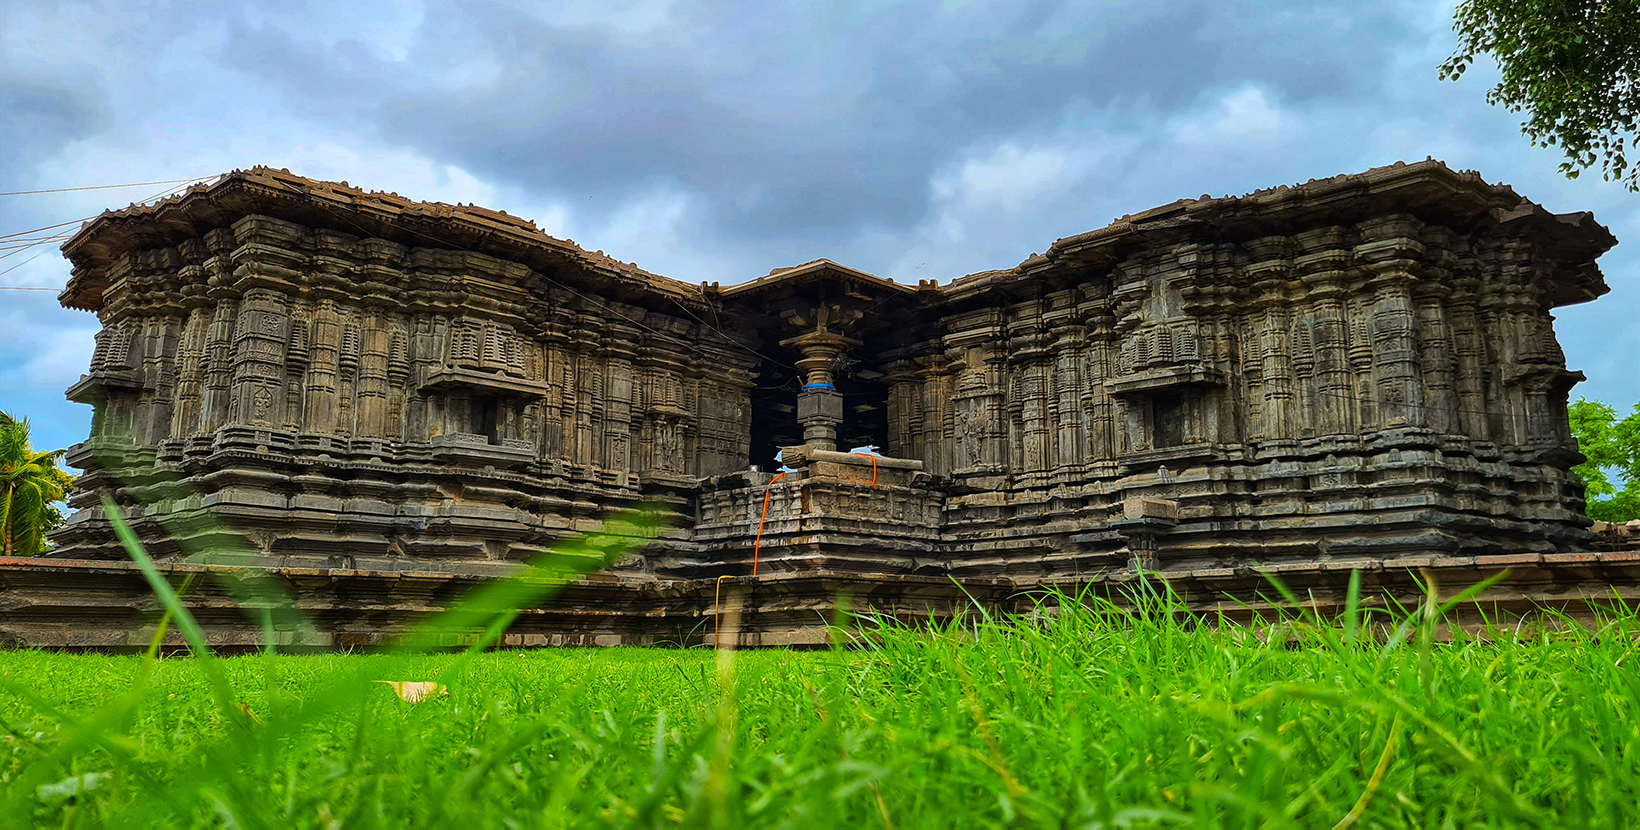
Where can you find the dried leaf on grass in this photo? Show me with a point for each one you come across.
(416, 691)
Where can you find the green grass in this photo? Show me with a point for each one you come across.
(1078, 719)
(1082, 716)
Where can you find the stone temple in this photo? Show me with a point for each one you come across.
(391, 400)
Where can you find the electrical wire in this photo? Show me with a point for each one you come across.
(24, 262)
(16, 249)
(725, 336)
(100, 187)
(46, 228)
(20, 245)
(30, 240)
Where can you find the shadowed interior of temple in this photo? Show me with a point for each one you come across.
(815, 319)
(774, 408)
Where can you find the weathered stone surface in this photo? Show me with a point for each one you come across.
(1358, 372)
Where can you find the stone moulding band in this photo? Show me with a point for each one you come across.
(757, 544)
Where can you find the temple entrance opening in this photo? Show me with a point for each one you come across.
(774, 409)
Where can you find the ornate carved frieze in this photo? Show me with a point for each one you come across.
(1364, 363)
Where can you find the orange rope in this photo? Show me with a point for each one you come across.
(757, 545)
(873, 467)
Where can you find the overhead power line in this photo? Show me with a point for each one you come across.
(21, 264)
(16, 243)
(46, 228)
(9, 238)
(100, 187)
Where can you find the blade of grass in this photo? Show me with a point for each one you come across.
(226, 700)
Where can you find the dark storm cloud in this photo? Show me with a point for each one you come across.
(41, 114)
(792, 124)
(714, 141)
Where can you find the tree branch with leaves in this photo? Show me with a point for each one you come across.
(1573, 66)
(31, 486)
(1611, 475)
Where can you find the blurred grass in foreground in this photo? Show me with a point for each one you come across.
(1082, 717)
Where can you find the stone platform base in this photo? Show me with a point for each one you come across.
(87, 605)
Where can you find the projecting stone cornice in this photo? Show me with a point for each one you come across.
(817, 270)
(1426, 191)
(342, 208)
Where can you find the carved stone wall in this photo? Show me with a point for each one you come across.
(369, 400)
(1357, 370)
(1383, 387)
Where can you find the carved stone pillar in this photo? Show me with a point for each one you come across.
(969, 421)
(1275, 373)
(398, 379)
(420, 362)
(618, 401)
(159, 371)
(185, 418)
(321, 377)
(1390, 249)
(553, 368)
(1252, 372)
(1071, 423)
(1436, 360)
(298, 354)
(347, 375)
(819, 404)
(373, 387)
(1305, 388)
(905, 410)
(259, 351)
(1469, 379)
(219, 365)
(1230, 426)
(1395, 353)
(934, 372)
(1334, 405)
(989, 409)
(586, 382)
(1029, 405)
(1096, 402)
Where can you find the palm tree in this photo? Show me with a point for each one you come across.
(30, 485)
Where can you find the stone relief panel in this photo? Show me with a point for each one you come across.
(1337, 331)
(315, 333)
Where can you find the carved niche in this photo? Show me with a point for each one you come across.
(1162, 379)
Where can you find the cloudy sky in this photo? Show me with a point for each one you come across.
(711, 141)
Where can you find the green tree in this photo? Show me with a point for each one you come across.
(31, 484)
(1612, 446)
(1572, 65)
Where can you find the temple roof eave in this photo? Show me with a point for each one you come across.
(814, 271)
(349, 210)
(1575, 240)
(1428, 188)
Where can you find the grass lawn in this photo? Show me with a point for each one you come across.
(1083, 720)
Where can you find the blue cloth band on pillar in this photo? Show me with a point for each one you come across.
(808, 386)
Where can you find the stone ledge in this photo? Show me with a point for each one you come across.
(113, 610)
